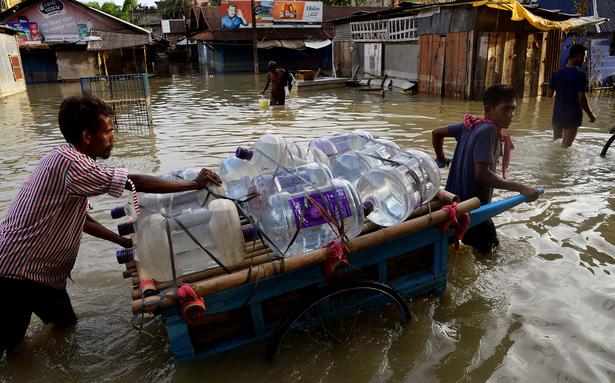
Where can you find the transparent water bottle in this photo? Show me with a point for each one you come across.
(352, 164)
(270, 153)
(395, 191)
(300, 222)
(312, 175)
(324, 149)
(236, 174)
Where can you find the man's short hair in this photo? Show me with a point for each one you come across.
(497, 94)
(78, 113)
(576, 49)
(271, 65)
(232, 5)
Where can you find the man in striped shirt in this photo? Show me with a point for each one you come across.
(41, 232)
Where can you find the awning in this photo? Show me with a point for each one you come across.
(520, 13)
(293, 44)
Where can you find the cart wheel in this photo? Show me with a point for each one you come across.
(340, 314)
(606, 146)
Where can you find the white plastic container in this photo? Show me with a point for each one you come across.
(216, 228)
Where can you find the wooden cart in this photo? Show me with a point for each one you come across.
(266, 299)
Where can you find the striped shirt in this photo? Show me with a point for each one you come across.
(41, 232)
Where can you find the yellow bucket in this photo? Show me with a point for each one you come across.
(263, 103)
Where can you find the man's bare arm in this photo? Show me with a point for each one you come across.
(152, 184)
(92, 227)
(486, 177)
(582, 99)
(437, 140)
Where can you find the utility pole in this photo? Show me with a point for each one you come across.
(254, 40)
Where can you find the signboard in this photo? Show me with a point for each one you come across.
(298, 11)
(28, 32)
(238, 14)
(50, 8)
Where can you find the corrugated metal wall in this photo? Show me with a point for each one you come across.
(343, 32)
(402, 61)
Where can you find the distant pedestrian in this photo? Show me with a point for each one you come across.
(570, 85)
(279, 78)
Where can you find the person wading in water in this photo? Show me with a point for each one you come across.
(41, 231)
(278, 77)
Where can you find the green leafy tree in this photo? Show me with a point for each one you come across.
(174, 9)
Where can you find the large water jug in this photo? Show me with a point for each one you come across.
(162, 238)
(270, 153)
(352, 164)
(300, 222)
(395, 190)
(236, 175)
(311, 175)
(324, 149)
(174, 203)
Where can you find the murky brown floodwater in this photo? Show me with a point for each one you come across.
(540, 310)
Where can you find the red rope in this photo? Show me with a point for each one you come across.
(192, 306)
(336, 258)
(460, 222)
(146, 282)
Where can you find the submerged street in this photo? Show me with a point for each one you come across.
(539, 309)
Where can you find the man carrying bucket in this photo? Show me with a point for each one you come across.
(41, 232)
(479, 146)
(279, 78)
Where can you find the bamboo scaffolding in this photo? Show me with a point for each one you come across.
(268, 269)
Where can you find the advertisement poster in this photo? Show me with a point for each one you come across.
(298, 11)
(238, 14)
(28, 32)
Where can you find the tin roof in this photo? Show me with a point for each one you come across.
(19, 7)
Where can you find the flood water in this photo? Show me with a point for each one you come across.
(541, 309)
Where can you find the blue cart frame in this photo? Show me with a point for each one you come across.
(430, 247)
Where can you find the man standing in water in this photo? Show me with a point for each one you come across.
(569, 85)
(472, 172)
(41, 232)
(278, 78)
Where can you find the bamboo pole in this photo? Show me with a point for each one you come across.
(213, 272)
(265, 270)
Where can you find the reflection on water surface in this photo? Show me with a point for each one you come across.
(541, 309)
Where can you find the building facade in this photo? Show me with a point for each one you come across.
(11, 71)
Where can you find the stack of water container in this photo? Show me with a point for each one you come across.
(301, 197)
(298, 198)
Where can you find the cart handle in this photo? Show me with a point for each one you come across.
(492, 209)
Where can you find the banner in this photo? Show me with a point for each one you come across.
(238, 14)
(28, 32)
(298, 11)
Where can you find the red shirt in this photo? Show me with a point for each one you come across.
(41, 232)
